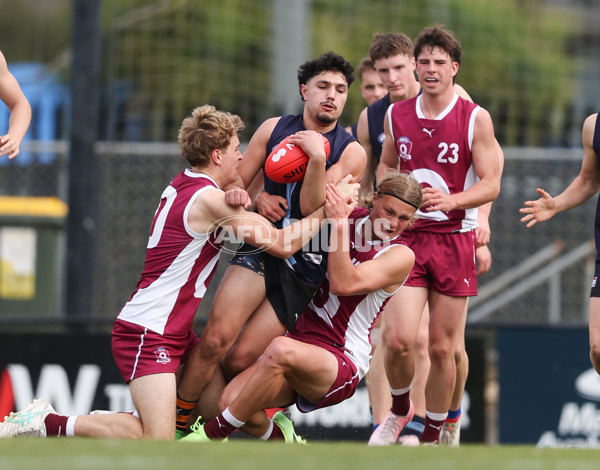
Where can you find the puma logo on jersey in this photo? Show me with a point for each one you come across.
(428, 131)
(467, 282)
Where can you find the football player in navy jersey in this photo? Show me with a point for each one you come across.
(260, 297)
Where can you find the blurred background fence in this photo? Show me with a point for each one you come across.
(533, 64)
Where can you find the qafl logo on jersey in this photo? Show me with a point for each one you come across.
(404, 146)
(162, 355)
(381, 138)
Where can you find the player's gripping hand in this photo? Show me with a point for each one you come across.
(538, 211)
(311, 142)
(337, 205)
(348, 189)
(271, 206)
(238, 197)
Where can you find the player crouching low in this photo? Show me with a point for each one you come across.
(321, 361)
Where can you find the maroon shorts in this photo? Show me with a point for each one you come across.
(444, 262)
(139, 351)
(344, 386)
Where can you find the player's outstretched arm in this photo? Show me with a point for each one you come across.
(582, 188)
(20, 111)
(210, 210)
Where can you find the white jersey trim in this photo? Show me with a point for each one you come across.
(472, 125)
(188, 207)
(388, 113)
(440, 116)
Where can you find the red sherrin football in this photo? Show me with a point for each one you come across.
(287, 162)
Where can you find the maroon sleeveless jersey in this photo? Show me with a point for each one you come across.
(179, 262)
(437, 153)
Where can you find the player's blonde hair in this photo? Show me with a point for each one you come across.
(205, 130)
(400, 185)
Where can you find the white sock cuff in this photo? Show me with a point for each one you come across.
(232, 419)
(399, 391)
(266, 435)
(70, 428)
(436, 416)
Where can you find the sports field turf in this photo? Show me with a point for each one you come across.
(92, 454)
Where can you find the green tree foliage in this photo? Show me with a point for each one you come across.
(163, 57)
(34, 30)
(515, 60)
(179, 54)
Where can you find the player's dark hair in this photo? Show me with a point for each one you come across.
(327, 62)
(365, 65)
(386, 45)
(437, 36)
(205, 130)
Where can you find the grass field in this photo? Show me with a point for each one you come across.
(92, 454)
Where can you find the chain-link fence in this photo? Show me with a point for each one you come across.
(131, 177)
(533, 65)
(532, 254)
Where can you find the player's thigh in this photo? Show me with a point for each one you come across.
(447, 318)
(240, 292)
(252, 341)
(309, 369)
(154, 399)
(402, 315)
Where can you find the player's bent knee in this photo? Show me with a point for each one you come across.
(278, 352)
(214, 345)
(237, 360)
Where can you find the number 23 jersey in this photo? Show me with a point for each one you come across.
(437, 153)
